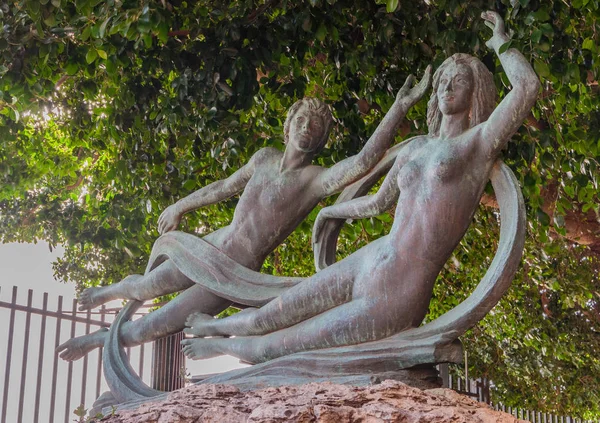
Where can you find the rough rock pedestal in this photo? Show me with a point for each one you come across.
(390, 401)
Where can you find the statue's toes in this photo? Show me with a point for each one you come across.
(190, 331)
(195, 319)
(87, 299)
(190, 319)
(188, 351)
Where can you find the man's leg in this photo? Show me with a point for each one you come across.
(168, 319)
(165, 279)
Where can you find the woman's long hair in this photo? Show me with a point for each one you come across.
(483, 101)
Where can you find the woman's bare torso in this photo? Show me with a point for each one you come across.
(440, 187)
(440, 184)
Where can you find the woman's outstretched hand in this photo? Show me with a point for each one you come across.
(169, 219)
(496, 23)
(412, 95)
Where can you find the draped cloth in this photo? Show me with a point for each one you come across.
(208, 266)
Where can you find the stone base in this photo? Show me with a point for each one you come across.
(389, 401)
(422, 377)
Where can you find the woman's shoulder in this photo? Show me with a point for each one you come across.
(414, 143)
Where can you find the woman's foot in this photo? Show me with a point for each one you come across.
(200, 324)
(200, 348)
(76, 348)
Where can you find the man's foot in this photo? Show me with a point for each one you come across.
(92, 297)
(200, 324)
(76, 348)
(96, 296)
(200, 349)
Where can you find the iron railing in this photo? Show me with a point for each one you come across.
(37, 386)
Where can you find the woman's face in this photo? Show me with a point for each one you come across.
(306, 130)
(455, 89)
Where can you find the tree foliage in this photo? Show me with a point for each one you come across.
(112, 110)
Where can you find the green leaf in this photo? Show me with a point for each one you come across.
(321, 32)
(391, 6)
(189, 185)
(541, 15)
(14, 114)
(85, 34)
(543, 218)
(505, 47)
(163, 32)
(536, 35)
(102, 29)
(91, 55)
(72, 68)
(102, 54)
(588, 44)
(541, 68)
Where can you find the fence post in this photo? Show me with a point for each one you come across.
(167, 363)
(70, 365)
(40, 359)
(25, 355)
(444, 374)
(9, 344)
(55, 362)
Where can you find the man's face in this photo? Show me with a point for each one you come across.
(306, 130)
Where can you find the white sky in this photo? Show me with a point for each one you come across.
(29, 266)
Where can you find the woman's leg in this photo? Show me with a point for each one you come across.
(321, 292)
(384, 301)
(165, 279)
(167, 320)
(352, 323)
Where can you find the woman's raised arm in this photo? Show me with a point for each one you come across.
(516, 106)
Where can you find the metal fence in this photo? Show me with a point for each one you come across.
(38, 386)
(481, 390)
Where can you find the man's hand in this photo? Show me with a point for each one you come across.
(169, 219)
(411, 96)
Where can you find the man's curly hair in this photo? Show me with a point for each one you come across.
(317, 108)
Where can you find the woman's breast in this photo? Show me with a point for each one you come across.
(410, 174)
(445, 166)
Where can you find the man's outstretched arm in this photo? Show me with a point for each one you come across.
(210, 194)
(349, 170)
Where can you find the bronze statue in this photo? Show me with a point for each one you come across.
(279, 191)
(437, 181)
